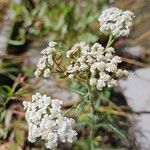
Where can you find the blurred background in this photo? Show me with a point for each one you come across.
(27, 26)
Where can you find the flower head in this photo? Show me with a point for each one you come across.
(101, 64)
(46, 61)
(44, 119)
(117, 21)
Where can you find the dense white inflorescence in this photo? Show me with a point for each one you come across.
(46, 61)
(45, 120)
(117, 21)
(101, 63)
(96, 63)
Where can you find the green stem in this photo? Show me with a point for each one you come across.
(110, 41)
(91, 133)
(94, 111)
(90, 96)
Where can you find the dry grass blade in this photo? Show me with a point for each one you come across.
(135, 62)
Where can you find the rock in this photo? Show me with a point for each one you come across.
(137, 89)
(137, 92)
(50, 87)
(7, 27)
(135, 51)
(142, 130)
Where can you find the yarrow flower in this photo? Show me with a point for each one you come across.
(46, 61)
(117, 21)
(101, 63)
(96, 64)
(45, 120)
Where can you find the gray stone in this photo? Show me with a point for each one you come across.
(137, 92)
(52, 88)
(5, 32)
(135, 51)
(137, 89)
(142, 130)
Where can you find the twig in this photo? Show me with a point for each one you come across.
(114, 112)
(141, 37)
(135, 62)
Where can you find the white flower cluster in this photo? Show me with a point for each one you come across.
(46, 61)
(117, 21)
(101, 63)
(44, 118)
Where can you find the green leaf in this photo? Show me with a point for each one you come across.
(16, 42)
(8, 89)
(2, 114)
(80, 107)
(106, 93)
(5, 93)
(90, 142)
(17, 8)
(117, 131)
(77, 91)
(97, 104)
